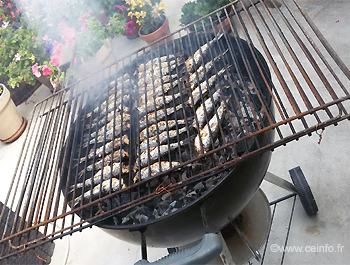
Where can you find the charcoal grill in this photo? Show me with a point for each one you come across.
(281, 77)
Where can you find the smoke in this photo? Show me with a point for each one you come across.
(61, 21)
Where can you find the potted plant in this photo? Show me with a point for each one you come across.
(18, 48)
(12, 124)
(81, 25)
(150, 16)
(194, 10)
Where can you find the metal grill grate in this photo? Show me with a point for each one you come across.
(304, 81)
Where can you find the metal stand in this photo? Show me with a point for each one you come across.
(249, 233)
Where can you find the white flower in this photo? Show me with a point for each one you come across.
(18, 56)
(5, 24)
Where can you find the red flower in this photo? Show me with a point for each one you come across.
(13, 14)
(17, 11)
(9, 4)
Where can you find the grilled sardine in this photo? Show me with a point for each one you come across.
(193, 61)
(142, 86)
(107, 185)
(157, 70)
(117, 122)
(108, 172)
(154, 169)
(201, 73)
(203, 87)
(109, 134)
(155, 62)
(162, 126)
(117, 157)
(163, 138)
(107, 148)
(151, 117)
(153, 154)
(209, 107)
(214, 129)
(156, 103)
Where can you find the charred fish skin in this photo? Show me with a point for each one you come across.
(201, 73)
(163, 138)
(154, 169)
(101, 120)
(162, 126)
(111, 105)
(157, 103)
(154, 153)
(151, 119)
(155, 62)
(157, 70)
(105, 187)
(203, 88)
(118, 85)
(117, 123)
(193, 61)
(147, 85)
(214, 129)
(160, 90)
(150, 76)
(109, 134)
(209, 107)
(107, 148)
(167, 83)
(108, 172)
(118, 156)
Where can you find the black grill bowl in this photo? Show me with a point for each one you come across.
(231, 194)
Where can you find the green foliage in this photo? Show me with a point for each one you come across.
(192, 11)
(18, 52)
(108, 6)
(21, 47)
(88, 42)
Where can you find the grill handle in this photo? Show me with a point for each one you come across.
(209, 248)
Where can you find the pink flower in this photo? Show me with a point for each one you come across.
(129, 28)
(46, 38)
(121, 7)
(47, 70)
(56, 53)
(83, 21)
(18, 56)
(35, 70)
(62, 26)
(55, 60)
(68, 33)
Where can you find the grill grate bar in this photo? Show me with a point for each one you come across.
(307, 85)
(295, 58)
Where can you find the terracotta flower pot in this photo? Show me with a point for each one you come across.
(163, 31)
(12, 124)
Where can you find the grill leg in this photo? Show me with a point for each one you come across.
(143, 246)
(279, 182)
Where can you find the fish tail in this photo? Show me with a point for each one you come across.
(219, 36)
(77, 201)
(81, 173)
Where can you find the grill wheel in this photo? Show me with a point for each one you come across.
(306, 197)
